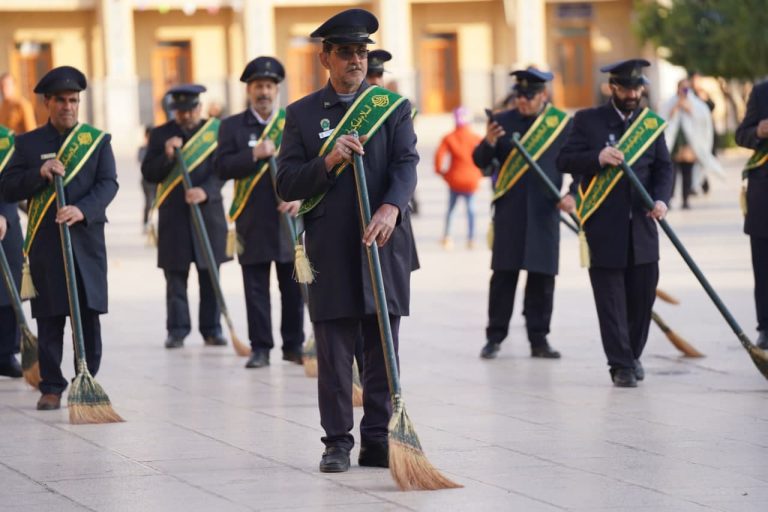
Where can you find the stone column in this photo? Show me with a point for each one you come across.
(395, 36)
(530, 31)
(120, 83)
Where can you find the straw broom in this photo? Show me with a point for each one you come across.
(408, 464)
(759, 356)
(683, 346)
(87, 401)
(29, 363)
(357, 386)
(309, 351)
(241, 348)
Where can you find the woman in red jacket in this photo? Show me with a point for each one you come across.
(462, 176)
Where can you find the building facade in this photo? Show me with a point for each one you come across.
(446, 52)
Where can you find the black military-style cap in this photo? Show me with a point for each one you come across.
(376, 60)
(627, 73)
(62, 78)
(353, 26)
(530, 79)
(185, 96)
(263, 67)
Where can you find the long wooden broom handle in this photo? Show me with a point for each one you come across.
(202, 236)
(69, 272)
(377, 280)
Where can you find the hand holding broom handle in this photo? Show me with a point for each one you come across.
(683, 346)
(29, 362)
(210, 261)
(759, 357)
(87, 401)
(408, 465)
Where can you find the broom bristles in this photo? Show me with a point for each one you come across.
(666, 297)
(408, 465)
(357, 386)
(683, 346)
(309, 355)
(303, 271)
(241, 349)
(29, 362)
(88, 403)
(760, 358)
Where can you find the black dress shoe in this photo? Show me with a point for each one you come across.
(214, 341)
(762, 340)
(258, 359)
(174, 342)
(11, 368)
(639, 370)
(544, 352)
(490, 350)
(49, 402)
(293, 357)
(335, 460)
(374, 455)
(624, 378)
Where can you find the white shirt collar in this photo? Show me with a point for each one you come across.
(259, 119)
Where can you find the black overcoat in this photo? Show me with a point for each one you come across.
(342, 287)
(608, 229)
(177, 244)
(12, 244)
(259, 226)
(92, 189)
(756, 221)
(525, 219)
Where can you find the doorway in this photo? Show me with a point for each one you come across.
(439, 75)
(171, 65)
(29, 62)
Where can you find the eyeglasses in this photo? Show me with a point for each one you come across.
(346, 53)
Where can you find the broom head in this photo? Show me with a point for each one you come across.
(29, 364)
(666, 297)
(683, 346)
(88, 403)
(407, 463)
(241, 348)
(309, 356)
(760, 358)
(357, 386)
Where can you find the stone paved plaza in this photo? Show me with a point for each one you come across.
(204, 434)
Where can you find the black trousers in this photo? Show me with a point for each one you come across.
(50, 343)
(760, 269)
(624, 298)
(537, 305)
(684, 169)
(257, 303)
(9, 333)
(335, 348)
(178, 321)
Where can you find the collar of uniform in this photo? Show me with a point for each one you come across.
(257, 118)
(178, 128)
(329, 97)
(52, 133)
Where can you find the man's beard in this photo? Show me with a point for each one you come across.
(626, 106)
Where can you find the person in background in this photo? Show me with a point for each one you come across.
(147, 188)
(16, 112)
(460, 173)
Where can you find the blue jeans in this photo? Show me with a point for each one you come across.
(469, 199)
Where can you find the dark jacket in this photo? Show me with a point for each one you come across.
(608, 230)
(259, 226)
(756, 221)
(91, 191)
(12, 244)
(342, 287)
(177, 244)
(525, 219)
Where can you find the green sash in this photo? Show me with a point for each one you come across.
(759, 157)
(542, 133)
(366, 115)
(194, 152)
(244, 187)
(74, 152)
(6, 146)
(638, 137)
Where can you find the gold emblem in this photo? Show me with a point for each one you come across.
(380, 100)
(5, 143)
(84, 138)
(651, 123)
(209, 137)
(280, 124)
(551, 121)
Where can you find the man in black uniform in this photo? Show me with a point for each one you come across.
(316, 145)
(177, 244)
(621, 234)
(242, 155)
(525, 217)
(753, 133)
(83, 155)
(10, 237)
(376, 60)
